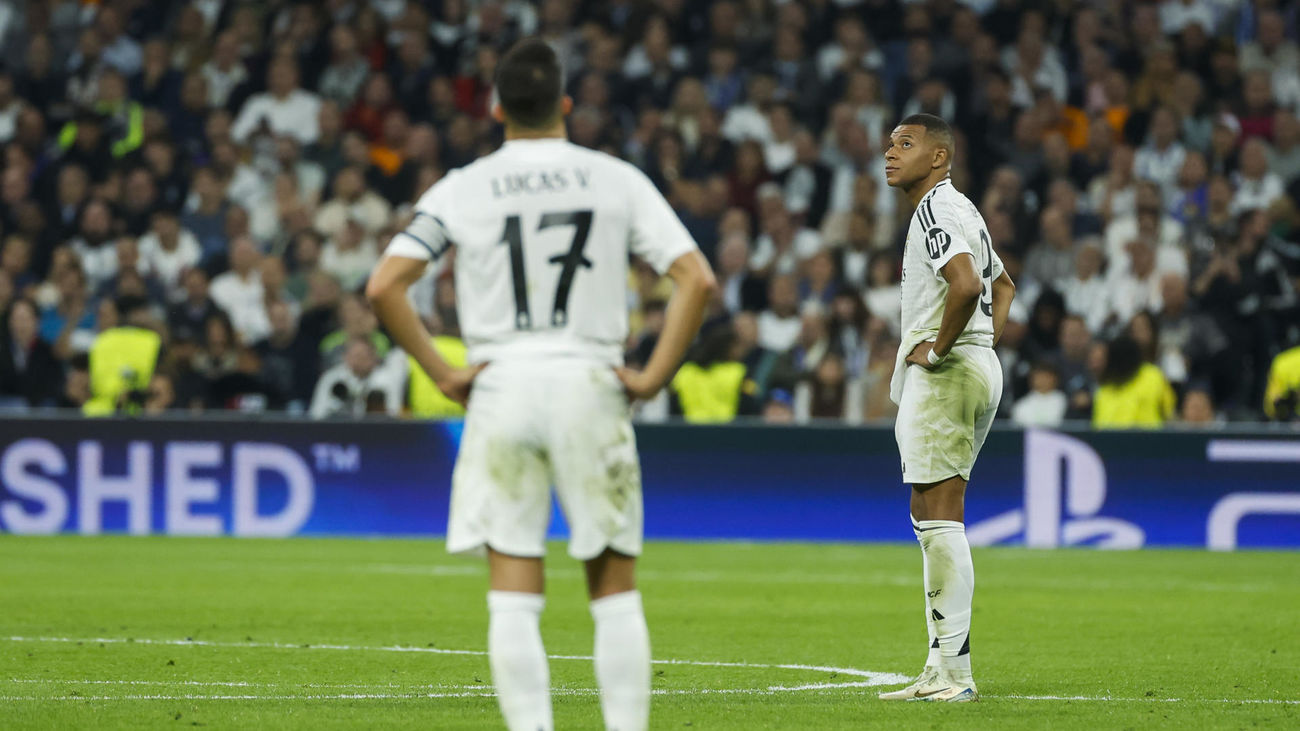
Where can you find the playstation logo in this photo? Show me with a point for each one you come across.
(1065, 489)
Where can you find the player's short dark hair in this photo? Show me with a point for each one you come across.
(529, 84)
(935, 128)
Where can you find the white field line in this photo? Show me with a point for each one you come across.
(1113, 699)
(488, 693)
(868, 677)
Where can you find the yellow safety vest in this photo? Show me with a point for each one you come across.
(426, 401)
(121, 359)
(1283, 377)
(1146, 400)
(710, 395)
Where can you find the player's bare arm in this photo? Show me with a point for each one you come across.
(963, 295)
(1004, 290)
(695, 285)
(386, 291)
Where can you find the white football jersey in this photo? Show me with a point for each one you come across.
(542, 230)
(944, 225)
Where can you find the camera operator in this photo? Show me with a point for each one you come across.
(359, 385)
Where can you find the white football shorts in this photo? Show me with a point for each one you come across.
(532, 425)
(946, 414)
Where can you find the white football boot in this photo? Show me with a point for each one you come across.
(937, 686)
(924, 681)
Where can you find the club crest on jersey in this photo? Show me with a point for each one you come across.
(937, 242)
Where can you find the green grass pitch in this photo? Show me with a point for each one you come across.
(118, 632)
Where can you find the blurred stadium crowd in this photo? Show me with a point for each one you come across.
(194, 192)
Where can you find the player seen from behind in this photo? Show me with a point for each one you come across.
(947, 384)
(543, 230)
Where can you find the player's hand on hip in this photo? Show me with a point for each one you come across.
(457, 385)
(920, 355)
(637, 385)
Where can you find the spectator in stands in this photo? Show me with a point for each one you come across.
(283, 109)
(29, 372)
(168, 250)
(779, 324)
(352, 199)
(356, 320)
(16, 262)
(205, 214)
(829, 393)
(1131, 393)
(357, 386)
(189, 316)
(289, 359)
(341, 81)
(239, 291)
(1051, 262)
(225, 71)
(120, 50)
(1257, 186)
(779, 408)
(1045, 405)
(1284, 161)
(1137, 288)
(811, 344)
(1161, 159)
(131, 276)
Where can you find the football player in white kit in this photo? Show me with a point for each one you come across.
(947, 383)
(542, 231)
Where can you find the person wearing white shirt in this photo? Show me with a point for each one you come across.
(224, 72)
(1161, 159)
(1257, 187)
(1085, 292)
(1150, 223)
(852, 49)
(782, 245)
(779, 150)
(1138, 288)
(1032, 65)
(240, 293)
(283, 109)
(883, 295)
(779, 324)
(167, 250)
(1271, 50)
(351, 255)
(1045, 404)
(747, 121)
(360, 385)
(1175, 15)
(352, 200)
(119, 49)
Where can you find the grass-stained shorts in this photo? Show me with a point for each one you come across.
(946, 413)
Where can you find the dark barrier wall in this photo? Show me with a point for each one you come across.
(267, 478)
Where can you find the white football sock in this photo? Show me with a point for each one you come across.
(622, 661)
(949, 585)
(518, 659)
(932, 653)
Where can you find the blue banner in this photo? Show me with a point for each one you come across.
(280, 478)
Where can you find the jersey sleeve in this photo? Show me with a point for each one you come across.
(996, 262)
(657, 234)
(944, 236)
(427, 236)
